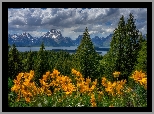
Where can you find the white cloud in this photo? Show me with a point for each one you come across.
(71, 21)
(69, 32)
(109, 30)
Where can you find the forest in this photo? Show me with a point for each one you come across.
(84, 78)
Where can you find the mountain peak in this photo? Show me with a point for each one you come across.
(25, 35)
(52, 33)
(54, 37)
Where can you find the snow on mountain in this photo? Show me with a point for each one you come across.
(14, 36)
(20, 40)
(54, 38)
(26, 36)
(53, 33)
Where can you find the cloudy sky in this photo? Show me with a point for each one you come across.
(71, 21)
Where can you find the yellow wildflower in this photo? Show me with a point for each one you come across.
(104, 81)
(140, 77)
(27, 99)
(92, 100)
(47, 73)
(55, 72)
(67, 93)
(116, 74)
(32, 72)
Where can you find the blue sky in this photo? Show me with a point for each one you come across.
(72, 21)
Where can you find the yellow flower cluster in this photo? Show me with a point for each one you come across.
(84, 86)
(114, 88)
(45, 86)
(24, 86)
(59, 82)
(92, 100)
(116, 74)
(140, 77)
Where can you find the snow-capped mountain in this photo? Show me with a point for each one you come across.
(51, 38)
(26, 35)
(54, 38)
(24, 39)
(53, 33)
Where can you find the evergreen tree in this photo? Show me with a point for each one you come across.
(62, 64)
(14, 63)
(29, 62)
(112, 61)
(140, 40)
(86, 57)
(52, 60)
(40, 64)
(132, 46)
(125, 45)
(142, 58)
(117, 46)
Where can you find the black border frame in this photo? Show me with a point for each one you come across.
(6, 5)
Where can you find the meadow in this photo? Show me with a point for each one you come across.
(57, 90)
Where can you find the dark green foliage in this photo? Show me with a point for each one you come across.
(87, 57)
(104, 63)
(142, 58)
(14, 63)
(40, 64)
(125, 45)
(10, 84)
(63, 63)
(52, 59)
(112, 61)
(132, 46)
(29, 63)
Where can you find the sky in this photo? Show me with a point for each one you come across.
(72, 21)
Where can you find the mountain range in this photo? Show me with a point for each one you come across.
(54, 38)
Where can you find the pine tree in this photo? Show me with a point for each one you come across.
(14, 62)
(40, 64)
(142, 58)
(86, 57)
(112, 61)
(132, 46)
(29, 62)
(125, 45)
